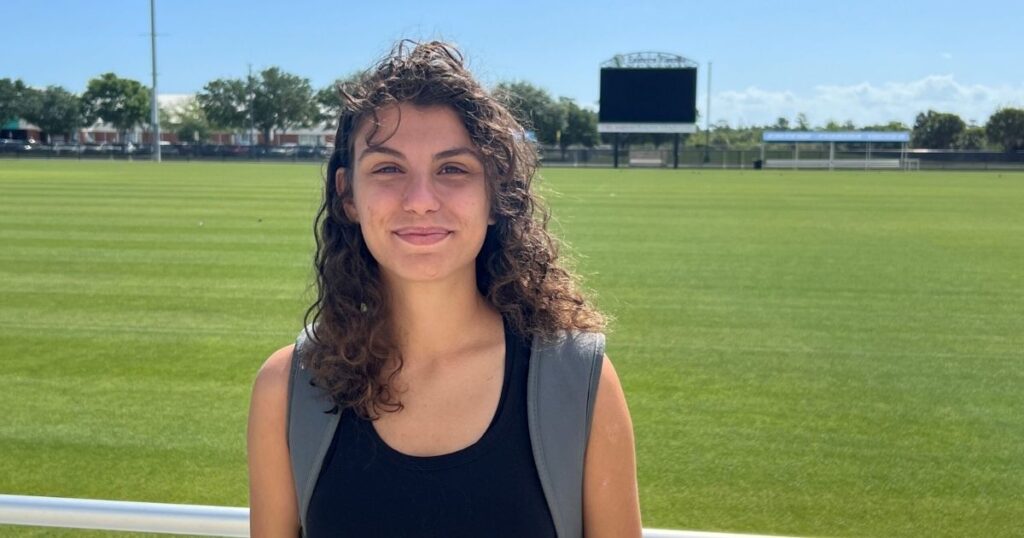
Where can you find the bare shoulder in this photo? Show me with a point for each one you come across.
(272, 502)
(610, 382)
(272, 378)
(269, 404)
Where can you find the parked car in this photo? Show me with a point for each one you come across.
(167, 148)
(10, 145)
(97, 149)
(67, 149)
(206, 150)
(284, 150)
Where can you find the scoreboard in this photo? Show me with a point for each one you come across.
(648, 100)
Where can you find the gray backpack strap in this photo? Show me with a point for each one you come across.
(561, 391)
(310, 426)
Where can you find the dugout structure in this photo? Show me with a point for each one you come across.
(648, 92)
(858, 159)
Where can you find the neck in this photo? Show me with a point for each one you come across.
(435, 318)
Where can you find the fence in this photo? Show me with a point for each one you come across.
(175, 518)
(689, 157)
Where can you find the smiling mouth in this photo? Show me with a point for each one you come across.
(422, 237)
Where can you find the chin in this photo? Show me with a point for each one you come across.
(432, 272)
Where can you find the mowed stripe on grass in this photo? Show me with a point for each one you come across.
(803, 353)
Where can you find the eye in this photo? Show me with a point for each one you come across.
(453, 169)
(387, 169)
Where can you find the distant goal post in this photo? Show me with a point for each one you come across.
(878, 150)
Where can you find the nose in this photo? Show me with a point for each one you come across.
(420, 195)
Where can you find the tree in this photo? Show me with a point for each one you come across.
(227, 103)
(329, 98)
(271, 101)
(833, 125)
(660, 138)
(121, 102)
(720, 139)
(54, 110)
(193, 126)
(282, 101)
(1006, 128)
(580, 125)
(721, 135)
(535, 109)
(801, 122)
(781, 124)
(893, 125)
(936, 130)
(188, 121)
(971, 138)
(12, 95)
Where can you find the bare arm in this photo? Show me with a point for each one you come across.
(272, 505)
(611, 502)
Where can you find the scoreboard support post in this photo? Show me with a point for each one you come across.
(615, 152)
(675, 151)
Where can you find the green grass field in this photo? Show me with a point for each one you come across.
(829, 354)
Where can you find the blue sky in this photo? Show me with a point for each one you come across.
(867, 61)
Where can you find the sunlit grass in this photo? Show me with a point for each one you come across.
(803, 353)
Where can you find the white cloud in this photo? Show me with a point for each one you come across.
(865, 103)
(947, 55)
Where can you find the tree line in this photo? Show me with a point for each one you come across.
(274, 100)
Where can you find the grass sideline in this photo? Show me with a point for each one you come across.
(804, 353)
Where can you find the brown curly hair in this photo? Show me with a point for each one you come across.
(517, 268)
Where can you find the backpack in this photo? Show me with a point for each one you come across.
(561, 389)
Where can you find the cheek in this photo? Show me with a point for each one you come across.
(371, 204)
(373, 227)
(476, 203)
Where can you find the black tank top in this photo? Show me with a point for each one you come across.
(490, 488)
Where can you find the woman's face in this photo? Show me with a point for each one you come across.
(420, 196)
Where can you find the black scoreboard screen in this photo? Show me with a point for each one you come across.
(648, 95)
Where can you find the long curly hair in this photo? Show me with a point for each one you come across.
(517, 269)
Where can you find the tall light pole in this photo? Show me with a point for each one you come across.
(707, 121)
(155, 113)
(252, 117)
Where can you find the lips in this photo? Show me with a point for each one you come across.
(417, 235)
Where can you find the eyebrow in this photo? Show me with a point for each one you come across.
(461, 150)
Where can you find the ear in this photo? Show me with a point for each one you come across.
(339, 187)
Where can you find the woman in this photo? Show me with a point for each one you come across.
(437, 283)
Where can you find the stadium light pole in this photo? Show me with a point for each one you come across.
(155, 112)
(252, 116)
(707, 121)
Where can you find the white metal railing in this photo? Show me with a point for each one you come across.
(190, 519)
(124, 516)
